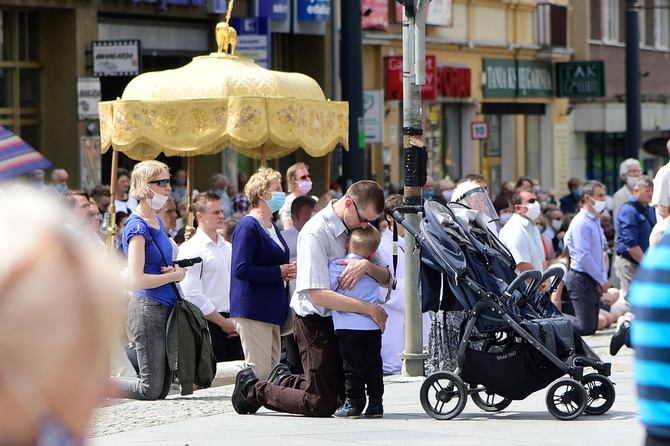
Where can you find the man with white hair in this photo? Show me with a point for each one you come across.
(59, 179)
(629, 171)
(661, 195)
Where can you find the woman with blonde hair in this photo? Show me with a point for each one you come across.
(260, 266)
(150, 276)
(299, 183)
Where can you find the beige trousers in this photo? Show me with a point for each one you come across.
(261, 343)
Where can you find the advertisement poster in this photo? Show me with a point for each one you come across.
(90, 161)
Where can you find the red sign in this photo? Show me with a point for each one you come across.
(454, 82)
(394, 78)
(375, 14)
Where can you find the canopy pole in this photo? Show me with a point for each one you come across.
(189, 193)
(326, 171)
(111, 228)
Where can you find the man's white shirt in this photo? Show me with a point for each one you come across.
(207, 284)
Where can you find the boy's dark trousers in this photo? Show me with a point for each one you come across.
(362, 362)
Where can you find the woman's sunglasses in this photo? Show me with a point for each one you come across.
(161, 183)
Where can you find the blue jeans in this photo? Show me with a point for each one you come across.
(148, 321)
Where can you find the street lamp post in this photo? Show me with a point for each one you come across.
(414, 75)
(633, 93)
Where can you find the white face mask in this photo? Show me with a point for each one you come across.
(533, 211)
(631, 181)
(304, 186)
(556, 224)
(598, 205)
(446, 194)
(158, 201)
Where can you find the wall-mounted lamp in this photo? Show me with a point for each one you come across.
(568, 110)
(367, 12)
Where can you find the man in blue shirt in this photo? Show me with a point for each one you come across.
(587, 278)
(634, 223)
(650, 335)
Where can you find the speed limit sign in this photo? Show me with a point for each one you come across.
(479, 130)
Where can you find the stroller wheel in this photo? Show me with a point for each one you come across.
(488, 401)
(443, 395)
(566, 399)
(600, 393)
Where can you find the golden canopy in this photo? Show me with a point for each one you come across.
(220, 101)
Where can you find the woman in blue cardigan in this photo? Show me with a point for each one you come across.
(260, 266)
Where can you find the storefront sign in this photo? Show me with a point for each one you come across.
(438, 13)
(116, 58)
(313, 10)
(454, 82)
(375, 14)
(580, 79)
(217, 6)
(372, 116)
(88, 96)
(162, 5)
(394, 78)
(253, 39)
(274, 9)
(506, 78)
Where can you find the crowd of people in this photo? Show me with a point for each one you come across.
(295, 288)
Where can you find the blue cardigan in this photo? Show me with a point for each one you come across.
(256, 288)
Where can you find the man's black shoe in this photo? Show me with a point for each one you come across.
(620, 337)
(278, 373)
(375, 408)
(351, 408)
(243, 382)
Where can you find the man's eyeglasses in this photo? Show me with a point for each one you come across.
(161, 183)
(305, 177)
(360, 219)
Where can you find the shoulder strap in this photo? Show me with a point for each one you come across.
(638, 207)
(174, 285)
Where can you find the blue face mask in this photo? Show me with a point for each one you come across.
(428, 194)
(277, 201)
(338, 195)
(576, 193)
(61, 187)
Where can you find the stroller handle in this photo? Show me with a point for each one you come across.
(399, 216)
(399, 212)
(533, 275)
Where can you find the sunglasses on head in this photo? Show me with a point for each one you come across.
(160, 183)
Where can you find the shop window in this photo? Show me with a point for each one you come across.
(533, 147)
(20, 73)
(551, 22)
(662, 25)
(611, 10)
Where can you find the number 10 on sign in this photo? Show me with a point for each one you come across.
(479, 130)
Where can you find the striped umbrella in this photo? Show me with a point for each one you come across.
(17, 157)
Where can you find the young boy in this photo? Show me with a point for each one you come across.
(359, 337)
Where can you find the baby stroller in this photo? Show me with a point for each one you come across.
(513, 341)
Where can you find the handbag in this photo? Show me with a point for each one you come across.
(287, 326)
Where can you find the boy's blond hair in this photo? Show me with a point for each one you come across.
(364, 241)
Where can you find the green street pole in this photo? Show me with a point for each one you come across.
(414, 73)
